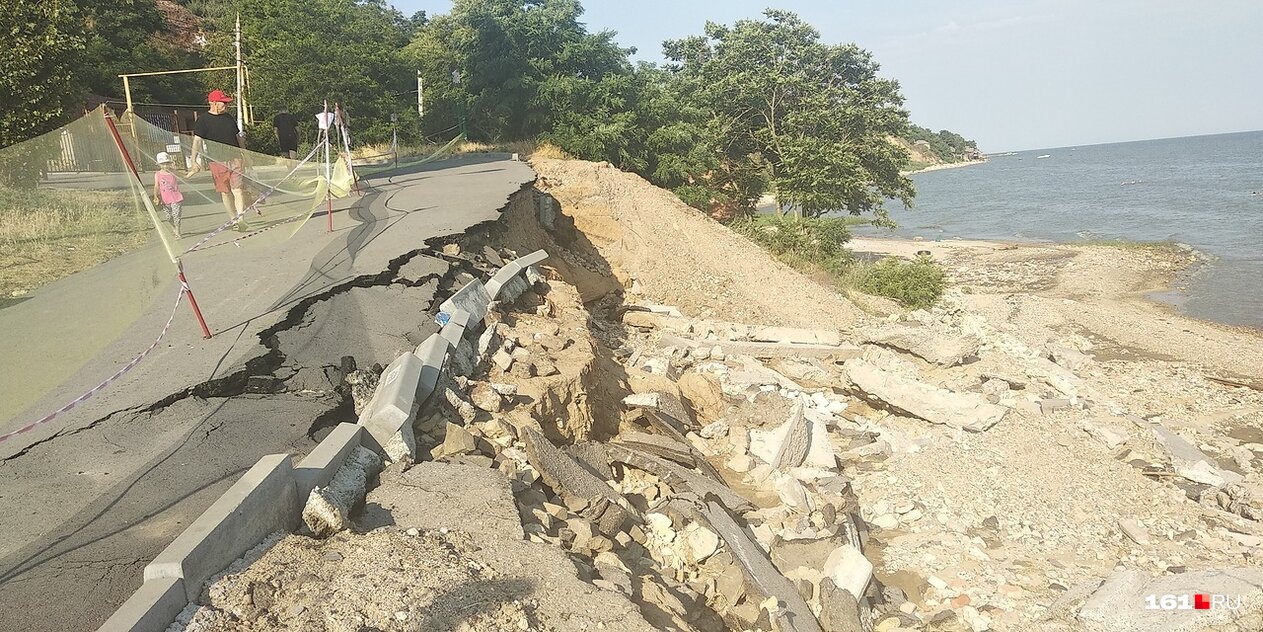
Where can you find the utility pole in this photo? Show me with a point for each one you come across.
(240, 81)
(420, 96)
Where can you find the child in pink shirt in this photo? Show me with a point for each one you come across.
(167, 190)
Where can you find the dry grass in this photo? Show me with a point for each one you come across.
(46, 235)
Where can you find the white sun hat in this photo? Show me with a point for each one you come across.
(163, 157)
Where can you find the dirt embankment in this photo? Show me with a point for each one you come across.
(1038, 452)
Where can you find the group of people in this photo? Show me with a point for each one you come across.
(227, 163)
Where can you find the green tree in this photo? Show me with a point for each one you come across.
(302, 52)
(518, 62)
(130, 36)
(805, 119)
(41, 43)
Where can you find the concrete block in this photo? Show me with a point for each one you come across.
(512, 288)
(152, 608)
(431, 353)
(263, 501)
(319, 466)
(456, 327)
(395, 402)
(472, 298)
(794, 335)
(501, 277)
(765, 350)
(531, 259)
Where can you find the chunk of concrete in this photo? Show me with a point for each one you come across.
(1120, 604)
(1068, 358)
(763, 350)
(473, 298)
(925, 343)
(570, 479)
(849, 570)
(456, 440)
(1191, 463)
(969, 411)
(796, 336)
(328, 509)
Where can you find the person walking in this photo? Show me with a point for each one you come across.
(218, 135)
(166, 190)
(286, 133)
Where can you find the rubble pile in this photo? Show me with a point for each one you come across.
(925, 471)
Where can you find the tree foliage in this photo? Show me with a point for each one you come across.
(948, 146)
(518, 62)
(811, 118)
(763, 105)
(302, 52)
(41, 44)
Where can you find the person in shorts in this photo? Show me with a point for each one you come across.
(226, 164)
(166, 190)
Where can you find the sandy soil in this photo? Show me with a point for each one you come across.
(1097, 292)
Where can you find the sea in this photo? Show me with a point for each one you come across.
(1201, 191)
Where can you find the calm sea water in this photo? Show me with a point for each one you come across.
(1197, 191)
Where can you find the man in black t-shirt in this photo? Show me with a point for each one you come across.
(226, 166)
(286, 133)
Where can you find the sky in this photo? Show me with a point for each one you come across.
(1014, 74)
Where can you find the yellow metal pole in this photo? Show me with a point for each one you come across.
(127, 91)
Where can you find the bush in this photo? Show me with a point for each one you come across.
(916, 284)
(800, 242)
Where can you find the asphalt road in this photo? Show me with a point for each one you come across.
(89, 499)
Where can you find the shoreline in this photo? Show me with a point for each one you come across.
(946, 165)
(1111, 293)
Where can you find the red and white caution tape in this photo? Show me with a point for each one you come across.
(108, 381)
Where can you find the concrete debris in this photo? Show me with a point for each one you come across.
(968, 411)
(797, 438)
(1067, 358)
(456, 440)
(678, 477)
(570, 479)
(642, 400)
(704, 395)
(1119, 605)
(486, 398)
(791, 335)
(1191, 463)
(1050, 406)
(849, 570)
(328, 509)
(925, 343)
(1134, 531)
(1109, 434)
(793, 613)
(1233, 499)
(763, 350)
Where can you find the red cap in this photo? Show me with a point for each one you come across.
(218, 96)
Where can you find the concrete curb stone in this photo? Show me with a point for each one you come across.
(151, 608)
(319, 466)
(264, 500)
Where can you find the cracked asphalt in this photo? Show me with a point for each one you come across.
(90, 498)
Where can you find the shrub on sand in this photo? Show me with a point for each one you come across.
(916, 284)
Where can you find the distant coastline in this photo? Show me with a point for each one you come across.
(946, 165)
